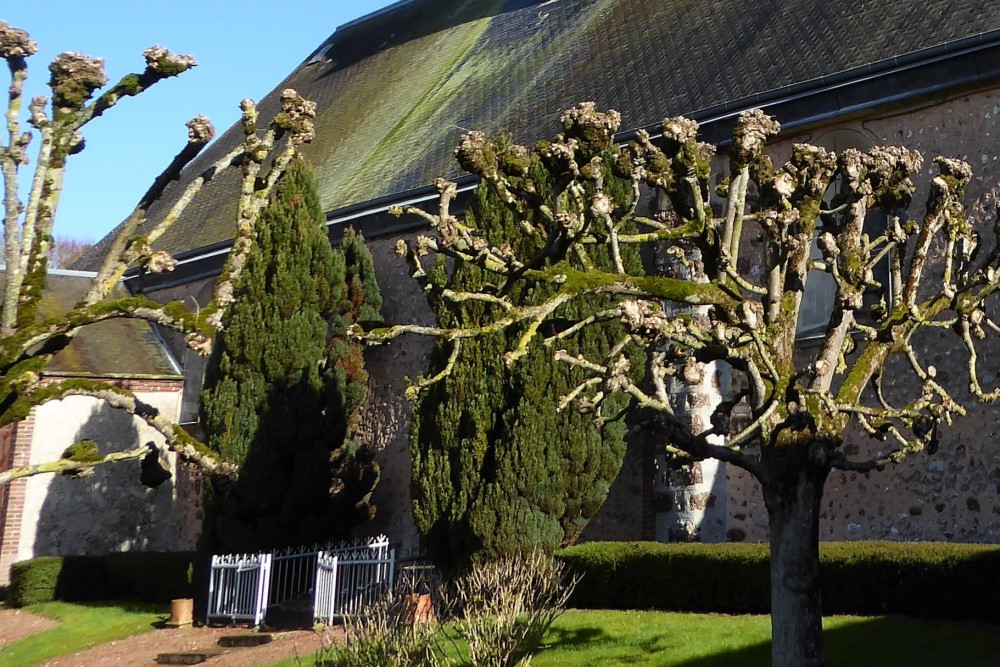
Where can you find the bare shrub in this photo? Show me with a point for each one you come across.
(493, 615)
(506, 606)
(386, 634)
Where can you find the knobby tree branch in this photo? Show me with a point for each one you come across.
(79, 94)
(746, 321)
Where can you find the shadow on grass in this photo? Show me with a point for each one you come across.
(863, 642)
(573, 638)
(584, 641)
(743, 641)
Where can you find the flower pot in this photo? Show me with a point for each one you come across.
(418, 609)
(181, 612)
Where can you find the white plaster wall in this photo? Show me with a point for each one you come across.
(109, 511)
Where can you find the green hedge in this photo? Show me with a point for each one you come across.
(925, 580)
(149, 577)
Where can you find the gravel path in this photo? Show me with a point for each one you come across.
(16, 624)
(142, 649)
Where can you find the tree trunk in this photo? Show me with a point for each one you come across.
(792, 495)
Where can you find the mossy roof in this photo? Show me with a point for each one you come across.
(118, 347)
(396, 91)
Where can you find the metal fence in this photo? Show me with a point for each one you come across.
(335, 580)
(237, 589)
(293, 574)
(348, 580)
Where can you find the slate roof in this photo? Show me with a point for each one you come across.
(113, 348)
(397, 91)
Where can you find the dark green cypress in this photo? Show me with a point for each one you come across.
(284, 385)
(496, 468)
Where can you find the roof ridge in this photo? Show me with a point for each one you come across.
(378, 12)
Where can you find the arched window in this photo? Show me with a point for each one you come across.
(817, 300)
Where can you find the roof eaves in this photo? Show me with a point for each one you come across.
(848, 77)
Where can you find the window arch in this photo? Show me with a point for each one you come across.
(817, 300)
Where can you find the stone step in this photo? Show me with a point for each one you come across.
(186, 657)
(245, 640)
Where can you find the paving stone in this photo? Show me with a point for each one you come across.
(244, 640)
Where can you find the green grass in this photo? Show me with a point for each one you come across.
(707, 640)
(81, 626)
(662, 639)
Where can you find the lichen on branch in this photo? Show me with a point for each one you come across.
(747, 321)
(80, 93)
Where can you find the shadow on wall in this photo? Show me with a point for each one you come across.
(111, 510)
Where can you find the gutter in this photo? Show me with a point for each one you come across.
(831, 82)
(926, 72)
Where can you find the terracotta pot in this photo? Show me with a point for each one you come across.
(418, 609)
(181, 612)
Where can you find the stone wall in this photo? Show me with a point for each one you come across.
(953, 494)
(385, 423)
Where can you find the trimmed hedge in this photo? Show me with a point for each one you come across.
(147, 577)
(919, 579)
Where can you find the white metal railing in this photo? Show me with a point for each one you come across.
(337, 580)
(293, 574)
(349, 580)
(237, 589)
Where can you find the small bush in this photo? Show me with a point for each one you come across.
(385, 634)
(148, 577)
(506, 606)
(493, 615)
(924, 580)
(33, 581)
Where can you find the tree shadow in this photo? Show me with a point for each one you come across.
(573, 638)
(109, 511)
(286, 494)
(589, 642)
(861, 642)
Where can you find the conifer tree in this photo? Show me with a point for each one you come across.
(497, 467)
(283, 385)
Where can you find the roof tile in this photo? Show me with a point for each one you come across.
(396, 92)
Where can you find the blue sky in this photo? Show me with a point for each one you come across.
(244, 49)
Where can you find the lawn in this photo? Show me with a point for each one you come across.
(660, 639)
(81, 626)
(706, 640)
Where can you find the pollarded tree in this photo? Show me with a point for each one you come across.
(27, 341)
(497, 467)
(802, 407)
(284, 386)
